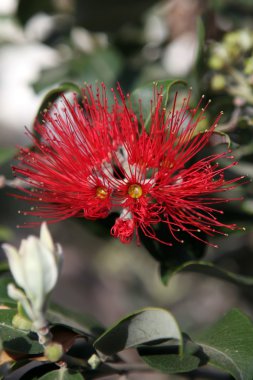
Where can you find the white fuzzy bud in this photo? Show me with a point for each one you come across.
(35, 268)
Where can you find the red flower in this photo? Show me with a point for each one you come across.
(93, 159)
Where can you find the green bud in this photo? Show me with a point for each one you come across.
(53, 351)
(238, 41)
(218, 82)
(215, 63)
(21, 322)
(218, 57)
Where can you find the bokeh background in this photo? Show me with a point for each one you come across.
(207, 43)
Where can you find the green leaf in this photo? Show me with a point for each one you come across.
(104, 65)
(81, 322)
(17, 342)
(172, 257)
(166, 358)
(55, 93)
(4, 298)
(218, 138)
(141, 327)
(6, 154)
(172, 363)
(228, 344)
(146, 93)
(62, 374)
(208, 268)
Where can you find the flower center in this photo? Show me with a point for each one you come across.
(135, 191)
(101, 192)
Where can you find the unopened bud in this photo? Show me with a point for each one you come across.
(218, 58)
(20, 322)
(237, 42)
(216, 63)
(53, 351)
(218, 82)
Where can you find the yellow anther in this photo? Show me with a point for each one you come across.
(101, 192)
(135, 191)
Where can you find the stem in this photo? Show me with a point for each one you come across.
(232, 123)
(45, 336)
(238, 77)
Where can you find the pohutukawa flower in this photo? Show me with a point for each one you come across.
(93, 159)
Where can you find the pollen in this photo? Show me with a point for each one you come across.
(135, 191)
(101, 192)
